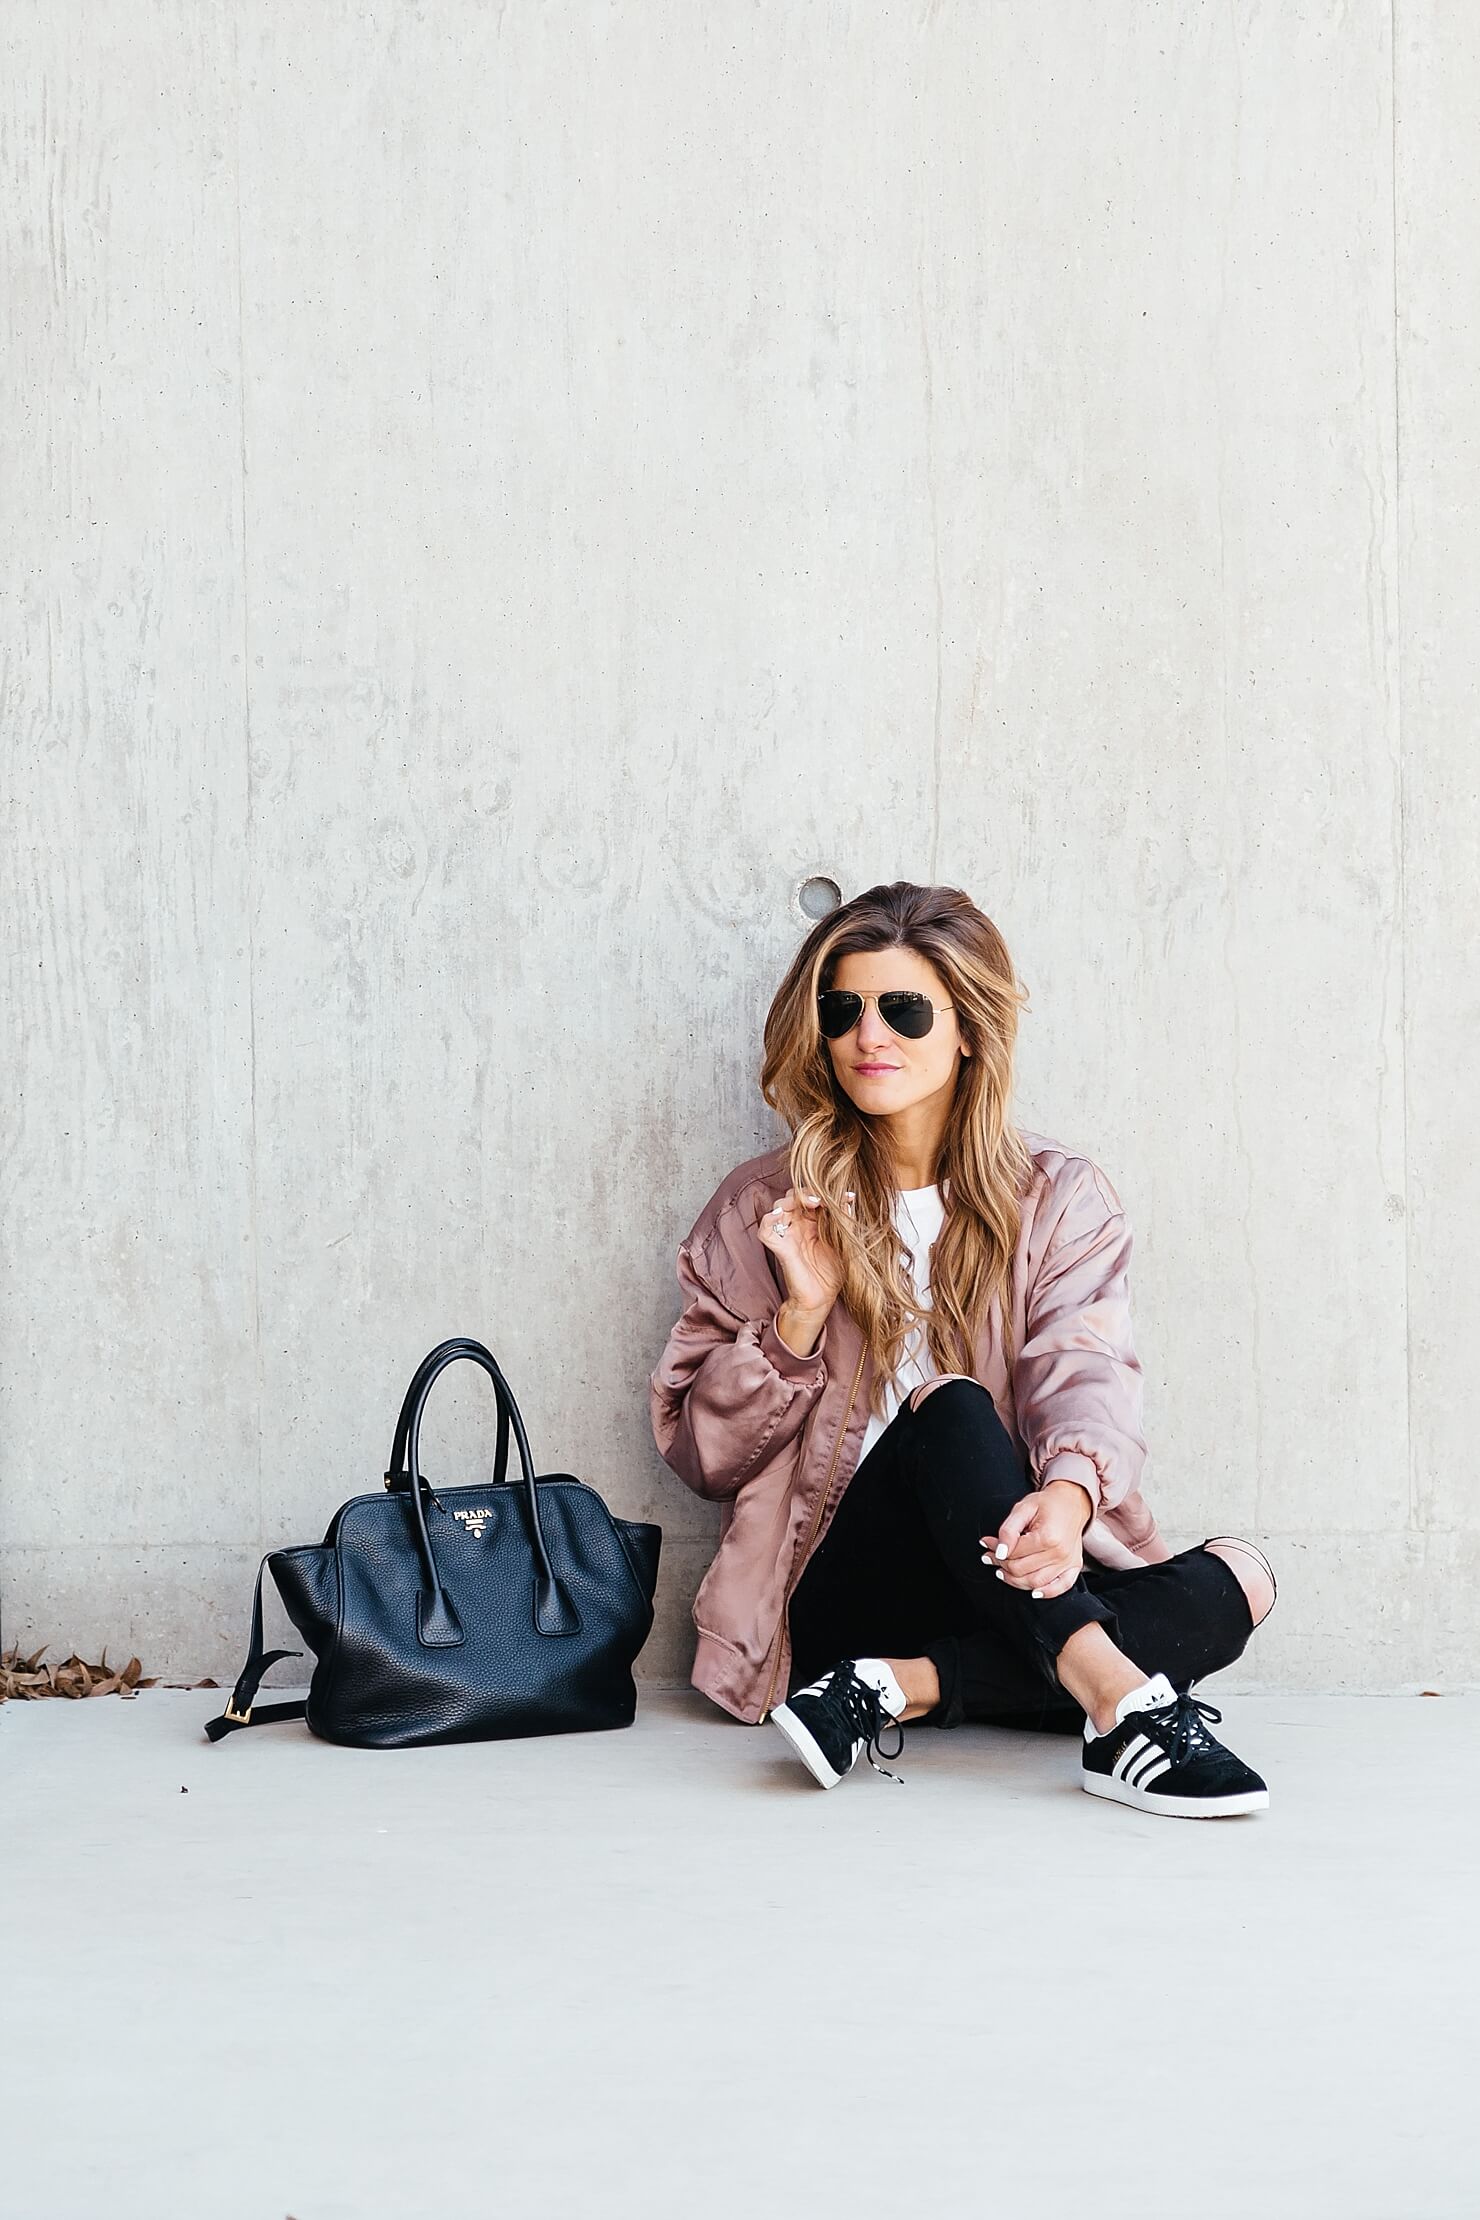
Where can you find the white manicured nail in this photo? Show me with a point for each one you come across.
(1001, 1550)
(1038, 1595)
(1001, 1576)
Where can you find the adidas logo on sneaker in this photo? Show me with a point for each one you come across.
(1159, 1756)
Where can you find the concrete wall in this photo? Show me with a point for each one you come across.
(495, 495)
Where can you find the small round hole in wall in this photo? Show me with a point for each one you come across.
(818, 897)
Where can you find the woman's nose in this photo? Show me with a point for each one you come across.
(872, 1031)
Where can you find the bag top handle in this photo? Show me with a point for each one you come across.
(396, 1474)
(553, 1611)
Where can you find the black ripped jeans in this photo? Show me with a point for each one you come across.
(899, 1573)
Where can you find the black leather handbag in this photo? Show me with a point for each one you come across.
(461, 1614)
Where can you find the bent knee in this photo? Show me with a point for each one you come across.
(957, 1430)
(954, 1392)
(940, 1384)
(1251, 1569)
(956, 1409)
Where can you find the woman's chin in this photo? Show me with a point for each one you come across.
(876, 1097)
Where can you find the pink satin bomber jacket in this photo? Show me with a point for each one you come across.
(774, 1438)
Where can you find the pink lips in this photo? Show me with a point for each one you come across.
(870, 1071)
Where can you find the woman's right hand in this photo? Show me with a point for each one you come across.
(810, 1266)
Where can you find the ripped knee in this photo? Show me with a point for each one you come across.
(1251, 1569)
(928, 1387)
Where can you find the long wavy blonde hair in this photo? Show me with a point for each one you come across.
(984, 1167)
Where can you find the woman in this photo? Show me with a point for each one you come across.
(904, 1369)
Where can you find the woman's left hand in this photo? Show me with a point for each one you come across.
(1043, 1537)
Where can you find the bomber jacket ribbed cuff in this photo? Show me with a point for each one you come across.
(787, 1362)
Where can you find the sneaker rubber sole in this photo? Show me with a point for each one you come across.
(807, 1749)
(1175, 1807)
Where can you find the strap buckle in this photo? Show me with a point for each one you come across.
(237, 1718)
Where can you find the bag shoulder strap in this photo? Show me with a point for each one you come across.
(240, 1711)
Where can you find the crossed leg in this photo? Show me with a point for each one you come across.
(963, 1472)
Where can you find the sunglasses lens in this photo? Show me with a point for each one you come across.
(909, 1015)
(838, 1013)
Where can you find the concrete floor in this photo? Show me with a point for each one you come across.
(659, 1972)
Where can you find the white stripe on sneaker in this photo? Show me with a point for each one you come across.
(1155, 1760)
(1129, 1755)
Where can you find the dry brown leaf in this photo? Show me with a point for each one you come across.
(26, 1678)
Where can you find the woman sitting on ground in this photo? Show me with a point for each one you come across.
(904, 1369)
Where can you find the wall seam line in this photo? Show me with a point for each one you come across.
(1415, 1508)
(250, 824)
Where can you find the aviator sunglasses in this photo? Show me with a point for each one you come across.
(909, 1015)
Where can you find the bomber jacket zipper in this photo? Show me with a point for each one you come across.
(826, 1490)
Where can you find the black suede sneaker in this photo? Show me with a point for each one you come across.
(846, 1710)
(1159, 1756)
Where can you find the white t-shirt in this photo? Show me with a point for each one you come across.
(919, 1214)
